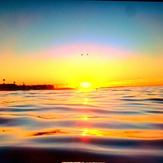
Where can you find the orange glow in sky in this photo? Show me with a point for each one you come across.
(97, 69)
(49, 46)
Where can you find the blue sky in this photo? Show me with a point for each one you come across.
(33, 28)
(121, 24)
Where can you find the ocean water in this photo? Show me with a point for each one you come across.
(104, 125)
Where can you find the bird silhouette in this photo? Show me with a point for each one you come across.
(82, 54)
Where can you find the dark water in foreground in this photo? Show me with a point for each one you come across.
(107, 125)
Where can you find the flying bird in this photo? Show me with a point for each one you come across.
(82, 54)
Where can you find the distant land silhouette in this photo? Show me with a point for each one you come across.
(12, 87)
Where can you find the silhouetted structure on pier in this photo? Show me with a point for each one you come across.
(25, 87)
(13, 87)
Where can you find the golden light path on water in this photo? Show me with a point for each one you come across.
(117, 120)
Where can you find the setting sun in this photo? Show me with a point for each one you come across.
(85, 84)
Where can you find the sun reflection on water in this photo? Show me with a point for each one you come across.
(85, 101)
(102, 118)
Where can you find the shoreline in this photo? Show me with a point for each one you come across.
(14, 87)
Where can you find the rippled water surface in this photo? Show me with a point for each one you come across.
(110, 125)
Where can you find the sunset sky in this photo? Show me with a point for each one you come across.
(41, 42)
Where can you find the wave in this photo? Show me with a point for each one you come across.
(107, 125)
